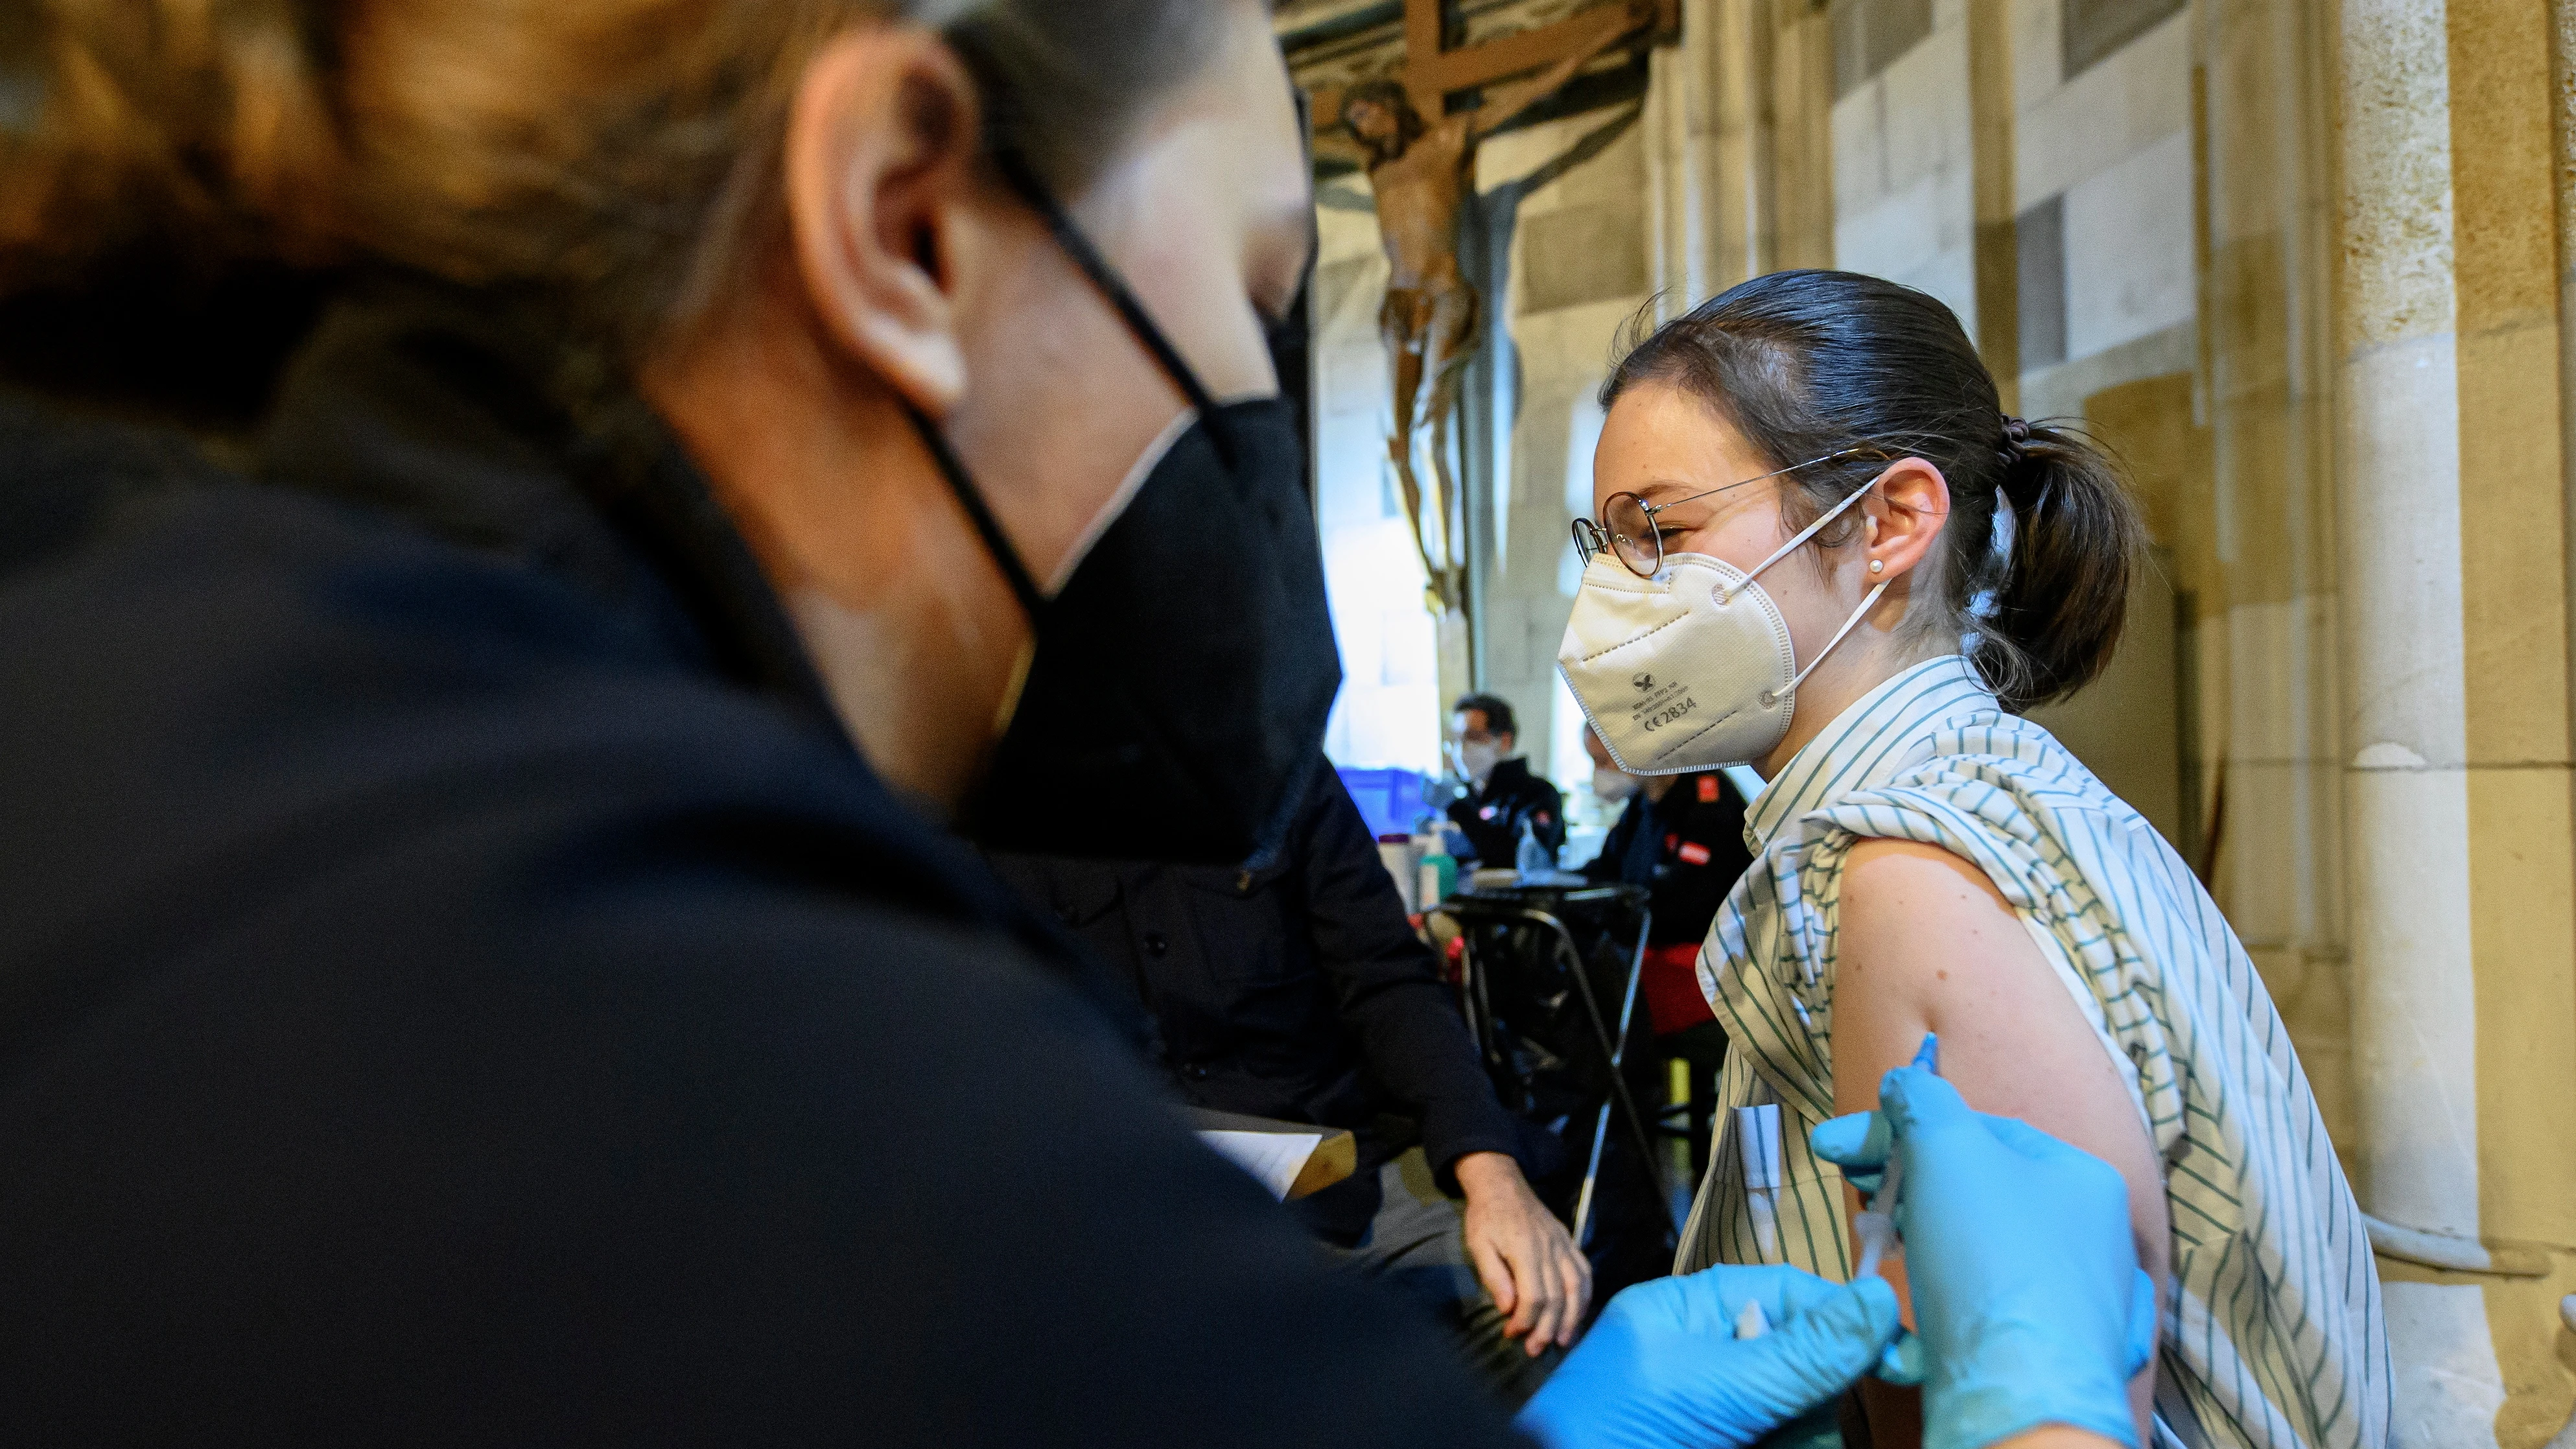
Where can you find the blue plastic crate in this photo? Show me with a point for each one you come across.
(1390, 800)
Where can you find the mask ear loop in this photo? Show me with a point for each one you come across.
(987, 527)
(1023, 179)
(1724, 595)
(1769, 697)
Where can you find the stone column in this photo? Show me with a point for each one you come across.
(1680, 137)
(1716, 185)
(1802, 134)
(2258, 552)
(1746, 230)
(1991, 113)
(2451, 517)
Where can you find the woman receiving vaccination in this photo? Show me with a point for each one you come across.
(1821, 549)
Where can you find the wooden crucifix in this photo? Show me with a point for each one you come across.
(1421, 161)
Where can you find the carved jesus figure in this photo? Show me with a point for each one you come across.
(1420, 172)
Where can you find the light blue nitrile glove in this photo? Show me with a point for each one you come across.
(2028, 1303)
(1663, 1369)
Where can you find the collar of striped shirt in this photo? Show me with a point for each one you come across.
(1883, 733)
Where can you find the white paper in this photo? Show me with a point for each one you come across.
(1757, 1145)
(1273, 1158)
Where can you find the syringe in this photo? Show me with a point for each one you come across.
(1877, 1226)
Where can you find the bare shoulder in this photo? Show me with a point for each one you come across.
(1924, 940)
(1886, 880)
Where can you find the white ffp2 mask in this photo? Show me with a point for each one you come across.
(1691, 669)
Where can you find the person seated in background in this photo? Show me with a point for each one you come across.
(1681, 837)
(1297, 990)
(1504, 799)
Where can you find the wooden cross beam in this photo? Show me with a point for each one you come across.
(1432, 72)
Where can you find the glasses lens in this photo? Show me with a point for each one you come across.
(1587, 538)
(1632, 534)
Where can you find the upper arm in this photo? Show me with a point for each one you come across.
(1925, 943)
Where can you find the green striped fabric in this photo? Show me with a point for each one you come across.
(2274, 1338)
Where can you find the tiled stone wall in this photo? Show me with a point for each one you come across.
(1904, 197)
(1560, 341)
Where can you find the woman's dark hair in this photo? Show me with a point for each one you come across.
(2030, 574)
(1065, 84)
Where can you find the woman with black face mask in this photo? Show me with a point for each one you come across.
(480, 966)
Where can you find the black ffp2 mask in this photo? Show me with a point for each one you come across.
(1175, 704)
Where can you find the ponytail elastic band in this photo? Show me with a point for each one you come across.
(2015, 446)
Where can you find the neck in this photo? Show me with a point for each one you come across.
(1656, 787)
(1868, 657)
(915, 634)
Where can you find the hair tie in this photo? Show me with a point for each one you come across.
(2016, 441)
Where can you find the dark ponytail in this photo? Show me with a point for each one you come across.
(2030, 576)
(2063, 596)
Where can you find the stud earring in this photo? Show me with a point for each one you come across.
(1878, 566)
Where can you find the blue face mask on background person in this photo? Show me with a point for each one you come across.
(1175, 703)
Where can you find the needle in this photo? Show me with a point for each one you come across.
(1877, 1226)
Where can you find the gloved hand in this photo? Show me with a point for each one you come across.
(2028, 1303)
(1663, 1369)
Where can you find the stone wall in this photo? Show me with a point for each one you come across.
(1587, 226)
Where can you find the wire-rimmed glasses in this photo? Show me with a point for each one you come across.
(1627, 523)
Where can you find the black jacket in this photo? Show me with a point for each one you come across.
(1688, 848)
(458, 986)
(1298, 991)
(1491, 816)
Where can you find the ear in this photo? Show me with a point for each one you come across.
(1903, 515)
(880, 163)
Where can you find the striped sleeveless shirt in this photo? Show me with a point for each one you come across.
(2274, 1338)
